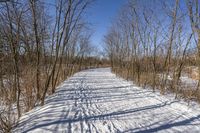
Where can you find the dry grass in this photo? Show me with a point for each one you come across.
(192, 72)
(28, 93)
(147, 80)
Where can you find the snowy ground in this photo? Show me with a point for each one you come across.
(186, 82)
(97, 101)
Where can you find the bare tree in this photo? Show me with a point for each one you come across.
(193, 11)
(37, 40)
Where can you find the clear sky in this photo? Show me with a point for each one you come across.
(100, 15)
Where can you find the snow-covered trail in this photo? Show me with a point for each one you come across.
(96, 100)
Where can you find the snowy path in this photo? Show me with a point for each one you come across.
(97, 101)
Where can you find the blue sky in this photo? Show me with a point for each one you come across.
(100, 15)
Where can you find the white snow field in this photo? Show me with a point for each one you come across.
(95, 100)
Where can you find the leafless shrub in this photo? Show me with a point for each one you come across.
(148, 43)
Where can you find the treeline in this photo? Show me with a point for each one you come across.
(41, 44)
(153, 42)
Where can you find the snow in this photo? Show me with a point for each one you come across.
(95, 100)
(187, 83)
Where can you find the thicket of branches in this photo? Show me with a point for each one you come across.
(154, 42)
(41, 44)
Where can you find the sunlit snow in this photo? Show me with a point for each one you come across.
(96, 100)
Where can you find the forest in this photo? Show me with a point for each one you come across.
(38, 51)
(155, 44)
